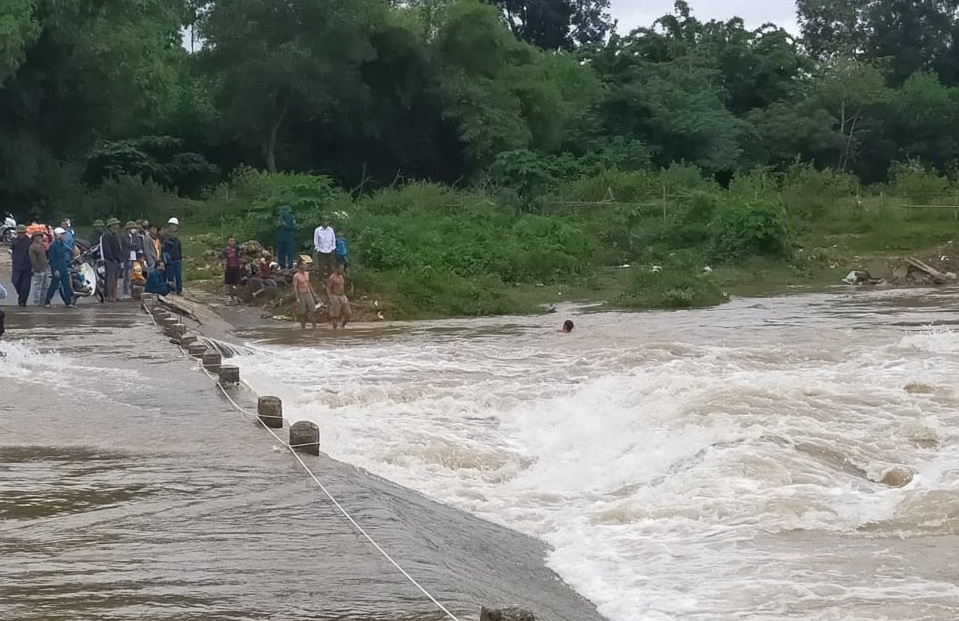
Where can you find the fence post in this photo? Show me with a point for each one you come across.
(664, 203)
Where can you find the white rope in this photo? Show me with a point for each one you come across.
(316, 480)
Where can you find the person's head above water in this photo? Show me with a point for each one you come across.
(567, 326)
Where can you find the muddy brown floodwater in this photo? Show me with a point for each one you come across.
(129, 489)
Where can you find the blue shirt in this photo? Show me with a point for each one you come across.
(340, 247)
(69, 239)
(156, 279)
(59, 255)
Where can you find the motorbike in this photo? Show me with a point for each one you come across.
(88, 274)
(8, 232)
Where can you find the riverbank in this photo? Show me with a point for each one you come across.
(129, 488)
(815, 269)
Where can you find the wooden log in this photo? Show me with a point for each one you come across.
(937, 276)
(229, 375)
(181, 306)
(270, 411)
(211, 361)
(137, 292)
(305, 437)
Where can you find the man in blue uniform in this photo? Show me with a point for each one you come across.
(60, 257)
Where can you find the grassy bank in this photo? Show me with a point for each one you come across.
(639, 240)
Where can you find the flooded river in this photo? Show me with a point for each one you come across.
(712, 465)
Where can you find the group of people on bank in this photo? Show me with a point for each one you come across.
(41, 263)
(140, 254)
(44, 258)
(329, 260)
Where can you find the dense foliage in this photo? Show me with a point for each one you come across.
(526, 107)
(460, 91)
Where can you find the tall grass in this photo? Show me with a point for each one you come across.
(435, 251)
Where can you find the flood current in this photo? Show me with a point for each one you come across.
(714, 465)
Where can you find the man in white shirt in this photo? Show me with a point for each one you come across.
(324, 243)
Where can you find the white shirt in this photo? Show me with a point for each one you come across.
(324, 239)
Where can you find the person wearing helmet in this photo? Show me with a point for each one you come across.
(60, 257)
(173, 255)
(69, 237)
(112, 256)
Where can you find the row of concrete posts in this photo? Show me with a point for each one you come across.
(304, 435)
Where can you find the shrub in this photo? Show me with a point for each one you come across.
(676, 286)
(809, 193)
(130, 198)
(922, 186)
(688, 223)
(749, 228)
(613, 185)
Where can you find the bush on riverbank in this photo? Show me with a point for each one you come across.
(436, 251)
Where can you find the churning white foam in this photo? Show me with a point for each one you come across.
(23, 360)
(662, 468)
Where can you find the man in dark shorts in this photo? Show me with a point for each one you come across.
(305, 296)
(339, 304)
(231, 266)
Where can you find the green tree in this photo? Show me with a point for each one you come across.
(848, 89)
(906, 35)
(557, 24)
(77, 72)
(18, 30)
(675, 106)
(502, 94)
(833, 28)
(301, 57)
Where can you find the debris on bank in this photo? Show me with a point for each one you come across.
(908, 271)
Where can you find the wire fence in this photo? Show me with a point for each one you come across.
(877, 204)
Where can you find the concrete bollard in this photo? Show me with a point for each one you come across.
(176, 332)
(137, 292)
(211, 361)
(270, 410)
(196, 350)
(188, 339)
(305, 437)
(229, 375)
(167, 320)
(511, 613)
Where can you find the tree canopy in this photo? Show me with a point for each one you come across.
(460, 91)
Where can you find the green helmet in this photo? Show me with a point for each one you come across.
(98, 223)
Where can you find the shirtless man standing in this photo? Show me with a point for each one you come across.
(339, 304)
(305, 297)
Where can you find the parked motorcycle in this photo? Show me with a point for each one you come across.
(8, 232)
(88, 274)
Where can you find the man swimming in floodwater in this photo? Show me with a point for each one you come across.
(567, 326)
